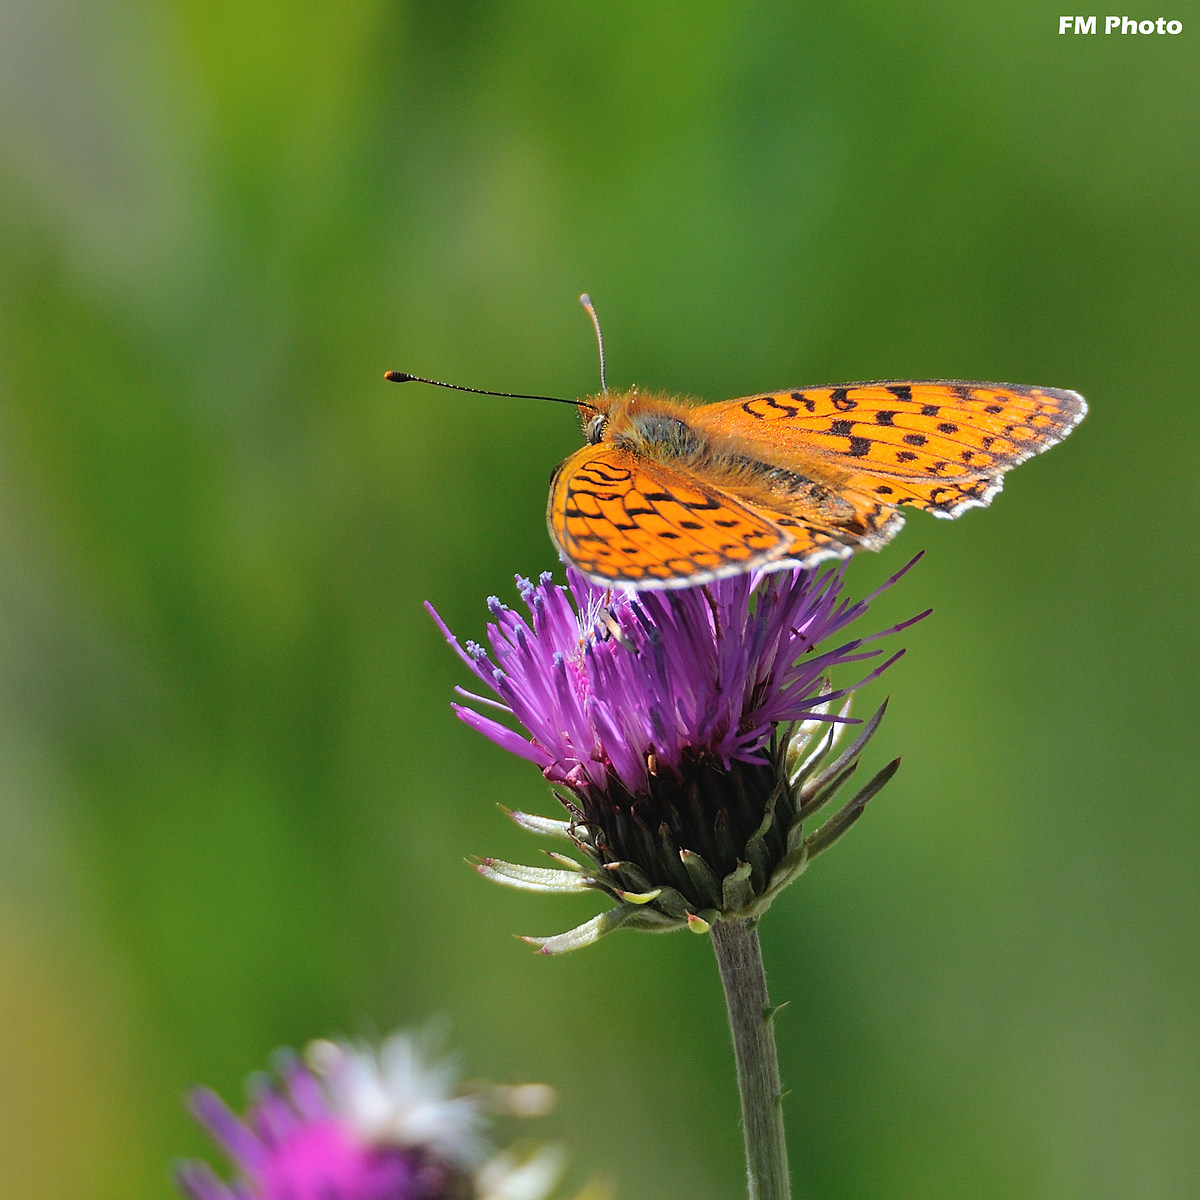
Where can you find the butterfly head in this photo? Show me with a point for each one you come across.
(601, 414)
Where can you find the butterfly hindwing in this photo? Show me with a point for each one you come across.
(621, 517)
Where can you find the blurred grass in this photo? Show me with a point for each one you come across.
(234, 802)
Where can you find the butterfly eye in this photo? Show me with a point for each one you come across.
(596, 427)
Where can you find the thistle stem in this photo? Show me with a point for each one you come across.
(739, 958)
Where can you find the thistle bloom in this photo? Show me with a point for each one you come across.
(354, 1123)
(687, 732)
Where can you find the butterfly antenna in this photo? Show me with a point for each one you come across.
(404, 377)
(586, 301)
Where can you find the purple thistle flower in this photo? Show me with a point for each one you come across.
(350, 1123)
(685, 729)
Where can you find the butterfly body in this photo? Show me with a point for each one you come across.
(671, 494)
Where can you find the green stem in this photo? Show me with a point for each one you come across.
(739, 958)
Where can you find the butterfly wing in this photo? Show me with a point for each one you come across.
(623, 518)
(939, 445)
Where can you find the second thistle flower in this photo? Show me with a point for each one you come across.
(690, 735)
(370, 1123)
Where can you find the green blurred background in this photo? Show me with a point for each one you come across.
(234, 803)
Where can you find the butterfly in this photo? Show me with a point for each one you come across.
(670, 494)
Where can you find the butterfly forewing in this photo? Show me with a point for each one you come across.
(937, 445)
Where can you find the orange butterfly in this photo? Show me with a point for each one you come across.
(670, 494)
(667, 494)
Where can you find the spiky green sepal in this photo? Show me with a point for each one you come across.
(727, 842)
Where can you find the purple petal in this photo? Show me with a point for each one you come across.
(601, 678)
(238, 1141)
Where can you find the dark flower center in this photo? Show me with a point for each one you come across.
(699, 809)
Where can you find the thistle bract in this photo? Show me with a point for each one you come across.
(689, 734)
